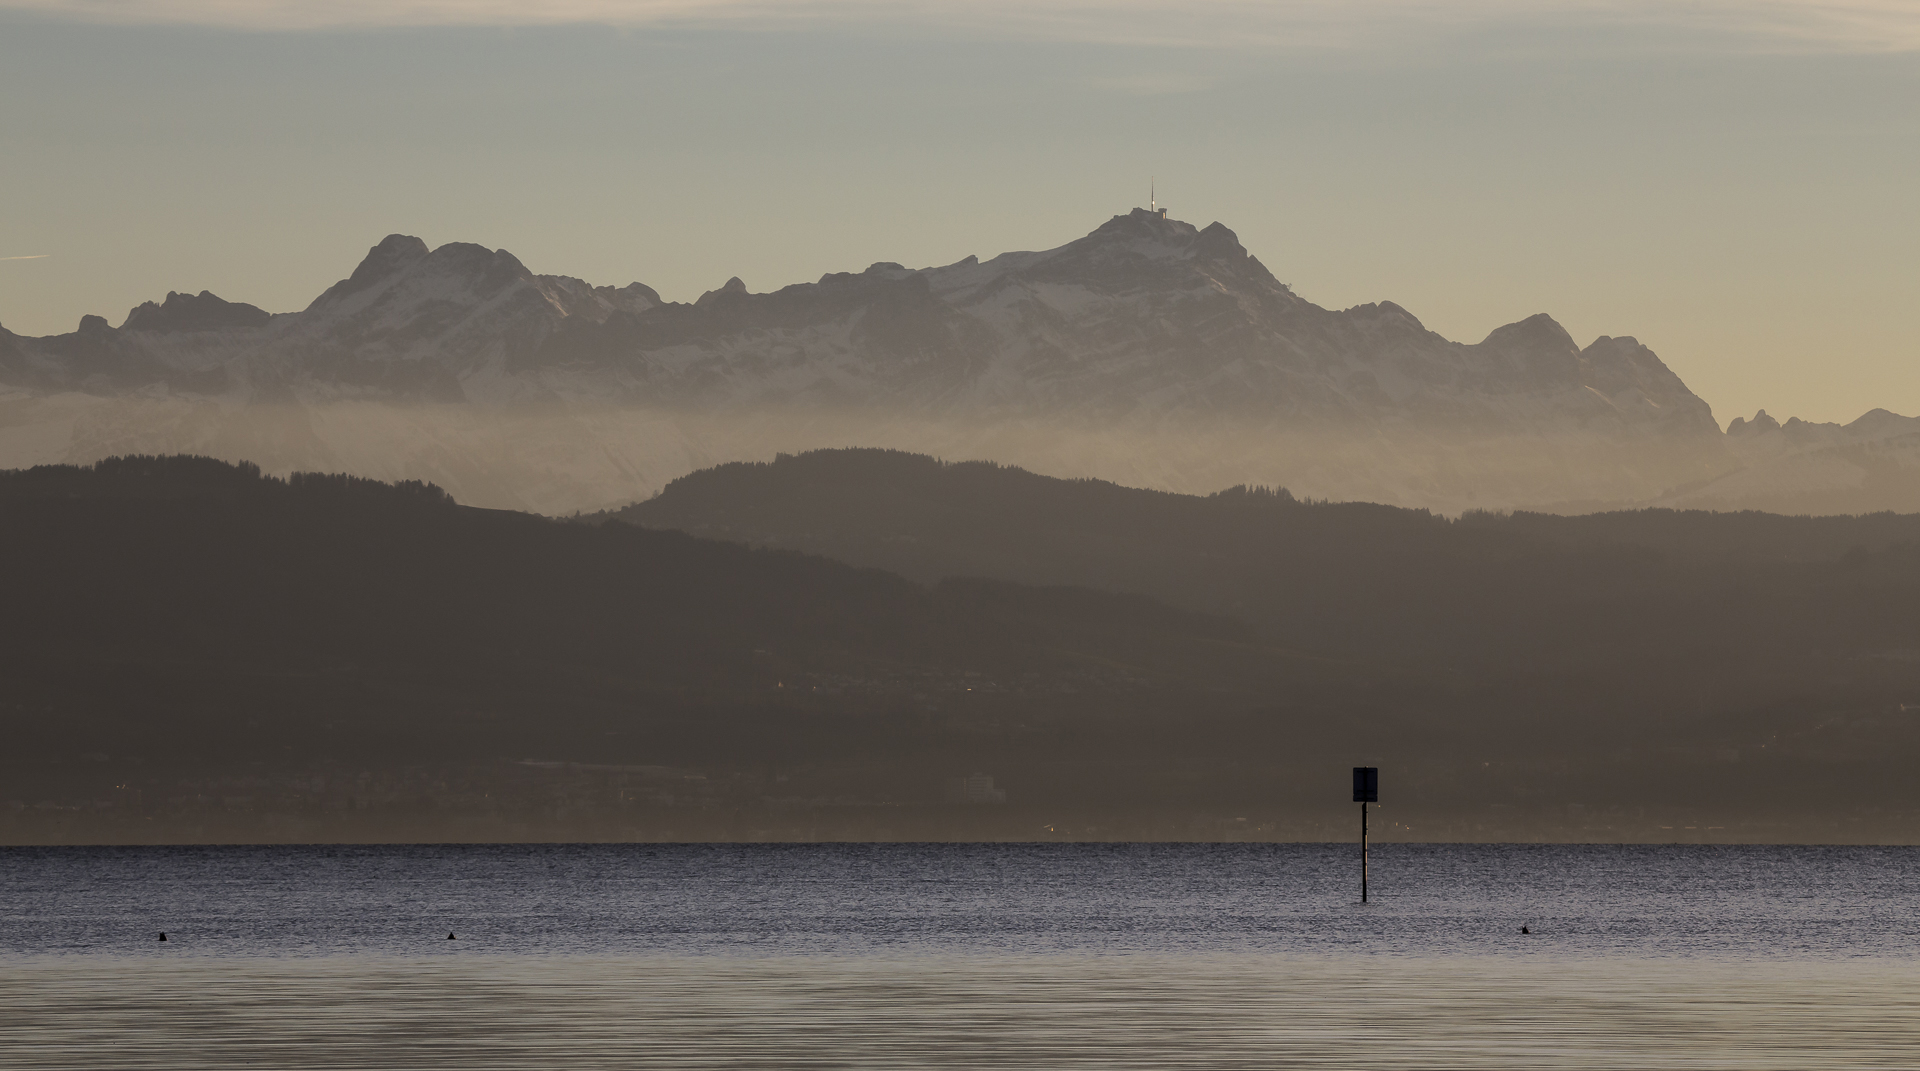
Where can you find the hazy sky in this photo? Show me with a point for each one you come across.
(1734, 184)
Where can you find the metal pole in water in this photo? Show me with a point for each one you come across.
(1366, 789)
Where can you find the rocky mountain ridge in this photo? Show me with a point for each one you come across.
(1145, 316)
(1869, 465)
(1149, 352)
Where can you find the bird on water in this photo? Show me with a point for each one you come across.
(163, 935)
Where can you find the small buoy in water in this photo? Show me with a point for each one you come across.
(1523, 929)
(163, 935)
(449, 937)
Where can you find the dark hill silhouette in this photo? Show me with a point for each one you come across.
(193, 651)
(315, 569)
(1353, 579)
(208, 618)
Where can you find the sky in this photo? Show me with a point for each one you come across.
(1731, 183)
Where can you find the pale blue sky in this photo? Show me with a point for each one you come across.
(1740, 196)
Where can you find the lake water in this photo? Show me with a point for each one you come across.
(959, 956)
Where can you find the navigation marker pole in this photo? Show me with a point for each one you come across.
(1366, 789)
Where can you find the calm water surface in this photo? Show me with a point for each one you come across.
(1034, 956)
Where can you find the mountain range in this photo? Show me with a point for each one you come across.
(1150, 351)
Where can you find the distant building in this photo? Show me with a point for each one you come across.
(974, 788)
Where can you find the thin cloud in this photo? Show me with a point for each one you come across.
(36, 256)
(1825, 25)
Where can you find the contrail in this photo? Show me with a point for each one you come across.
(36, 256)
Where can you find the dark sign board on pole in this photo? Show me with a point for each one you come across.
(1366, 784)
(1366, 789)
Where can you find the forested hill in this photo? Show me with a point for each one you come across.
(893, 494)
(1357, 579)
(183, 622)
(192, 651)
(195, 558)
(205, 479)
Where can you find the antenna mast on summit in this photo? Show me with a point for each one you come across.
(1152, 204)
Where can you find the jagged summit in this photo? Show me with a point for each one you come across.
(1759, 425)
(731, 286)
(1141, 223)
(1156, 226)
(385, 260)
(1139, 239)
(200, 312)
(1539, 332)
(1875, 424)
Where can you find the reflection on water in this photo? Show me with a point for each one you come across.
(1736, 902)
(1003, 956)
(963, 1012)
